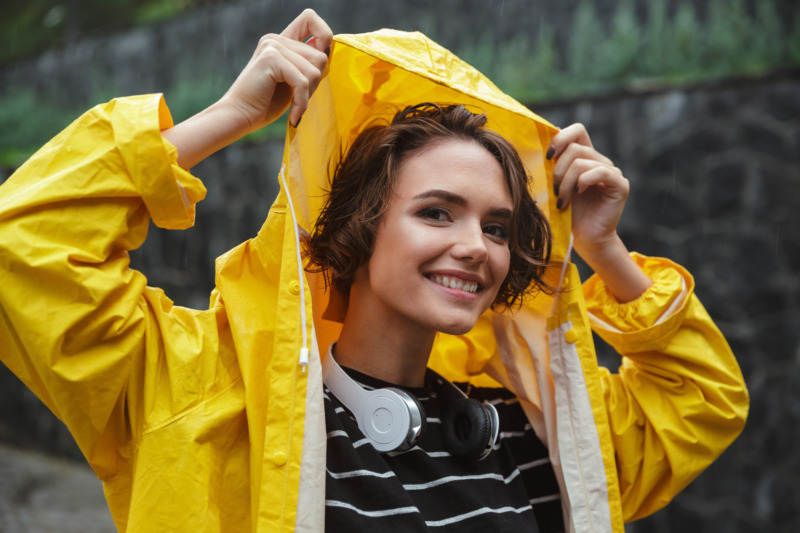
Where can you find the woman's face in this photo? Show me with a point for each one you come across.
(441, 250)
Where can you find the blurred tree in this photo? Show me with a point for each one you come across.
(28, 27)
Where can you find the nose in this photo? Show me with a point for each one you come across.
(470, 244)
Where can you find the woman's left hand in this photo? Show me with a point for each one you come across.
(589, 181)
(597, 190)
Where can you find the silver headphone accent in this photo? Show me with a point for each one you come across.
(390, 418)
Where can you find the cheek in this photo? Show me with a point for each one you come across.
(504, 257)
(406, 241)
(501, 264)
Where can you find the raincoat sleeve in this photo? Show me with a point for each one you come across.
(77, 325)
(679, 398)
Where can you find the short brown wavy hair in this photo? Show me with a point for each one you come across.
(344, 234)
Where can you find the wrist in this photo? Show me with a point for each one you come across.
(210, 130)
(611, 261)
(601, 252)
(232, 117)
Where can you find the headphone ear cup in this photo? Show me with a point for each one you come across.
(418, 420)
(390, 418)
(467, 429)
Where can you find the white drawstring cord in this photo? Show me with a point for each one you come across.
(563, 272)
(303, 360)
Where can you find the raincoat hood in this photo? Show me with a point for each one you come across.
(369, 78)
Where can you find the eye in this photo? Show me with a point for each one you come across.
(497, 231)
(436, 214)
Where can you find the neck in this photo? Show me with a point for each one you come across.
(392, 353)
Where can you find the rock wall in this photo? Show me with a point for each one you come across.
(715, 175)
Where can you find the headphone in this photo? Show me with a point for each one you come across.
(392, 419)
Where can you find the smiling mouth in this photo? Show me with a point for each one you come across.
(454, 283)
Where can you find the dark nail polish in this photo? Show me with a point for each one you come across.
(550, 152)
(559, 203)
(555, 188)
(296, 124)
(328, 51)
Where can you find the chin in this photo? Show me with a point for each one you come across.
(457, 327)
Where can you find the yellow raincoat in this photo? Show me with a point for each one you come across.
(211, 420)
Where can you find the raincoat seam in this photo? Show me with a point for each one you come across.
(182, 414)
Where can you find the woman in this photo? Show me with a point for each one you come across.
(429, 223)
(216, 420)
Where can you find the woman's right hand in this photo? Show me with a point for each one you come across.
(284, 68)
(284, 71)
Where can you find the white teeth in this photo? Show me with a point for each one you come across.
(455, 283)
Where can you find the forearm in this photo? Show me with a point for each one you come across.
(620, 273)
(207, 132)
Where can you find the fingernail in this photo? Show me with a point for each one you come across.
(328, 51)
(559, 203)
(555, 188)
(550, 152)
(296, 124)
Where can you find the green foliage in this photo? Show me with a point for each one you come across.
(28, 120)
(629, 52)
(28, 27)
(26, 123)
(686, 43)
(534, 80)
(150, 12)
(793, 41)
(626, 51)
(583, 47)
(621, 51)
(769, 22)
(482, 52)
(543, 61)
(656, 39)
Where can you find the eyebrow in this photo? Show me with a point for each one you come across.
(449, 197)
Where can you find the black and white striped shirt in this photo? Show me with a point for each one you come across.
(426, 489)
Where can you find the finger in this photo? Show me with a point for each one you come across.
(301, 87)
(575, 133)
(568, 183)
(585, 174)
(572, 152)
(304, 86)
(610, 178)
(312, 42)
(309, 24)
(309, 61)
(285, 75)
(314, 56)
(310, 53)
(290, 65)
